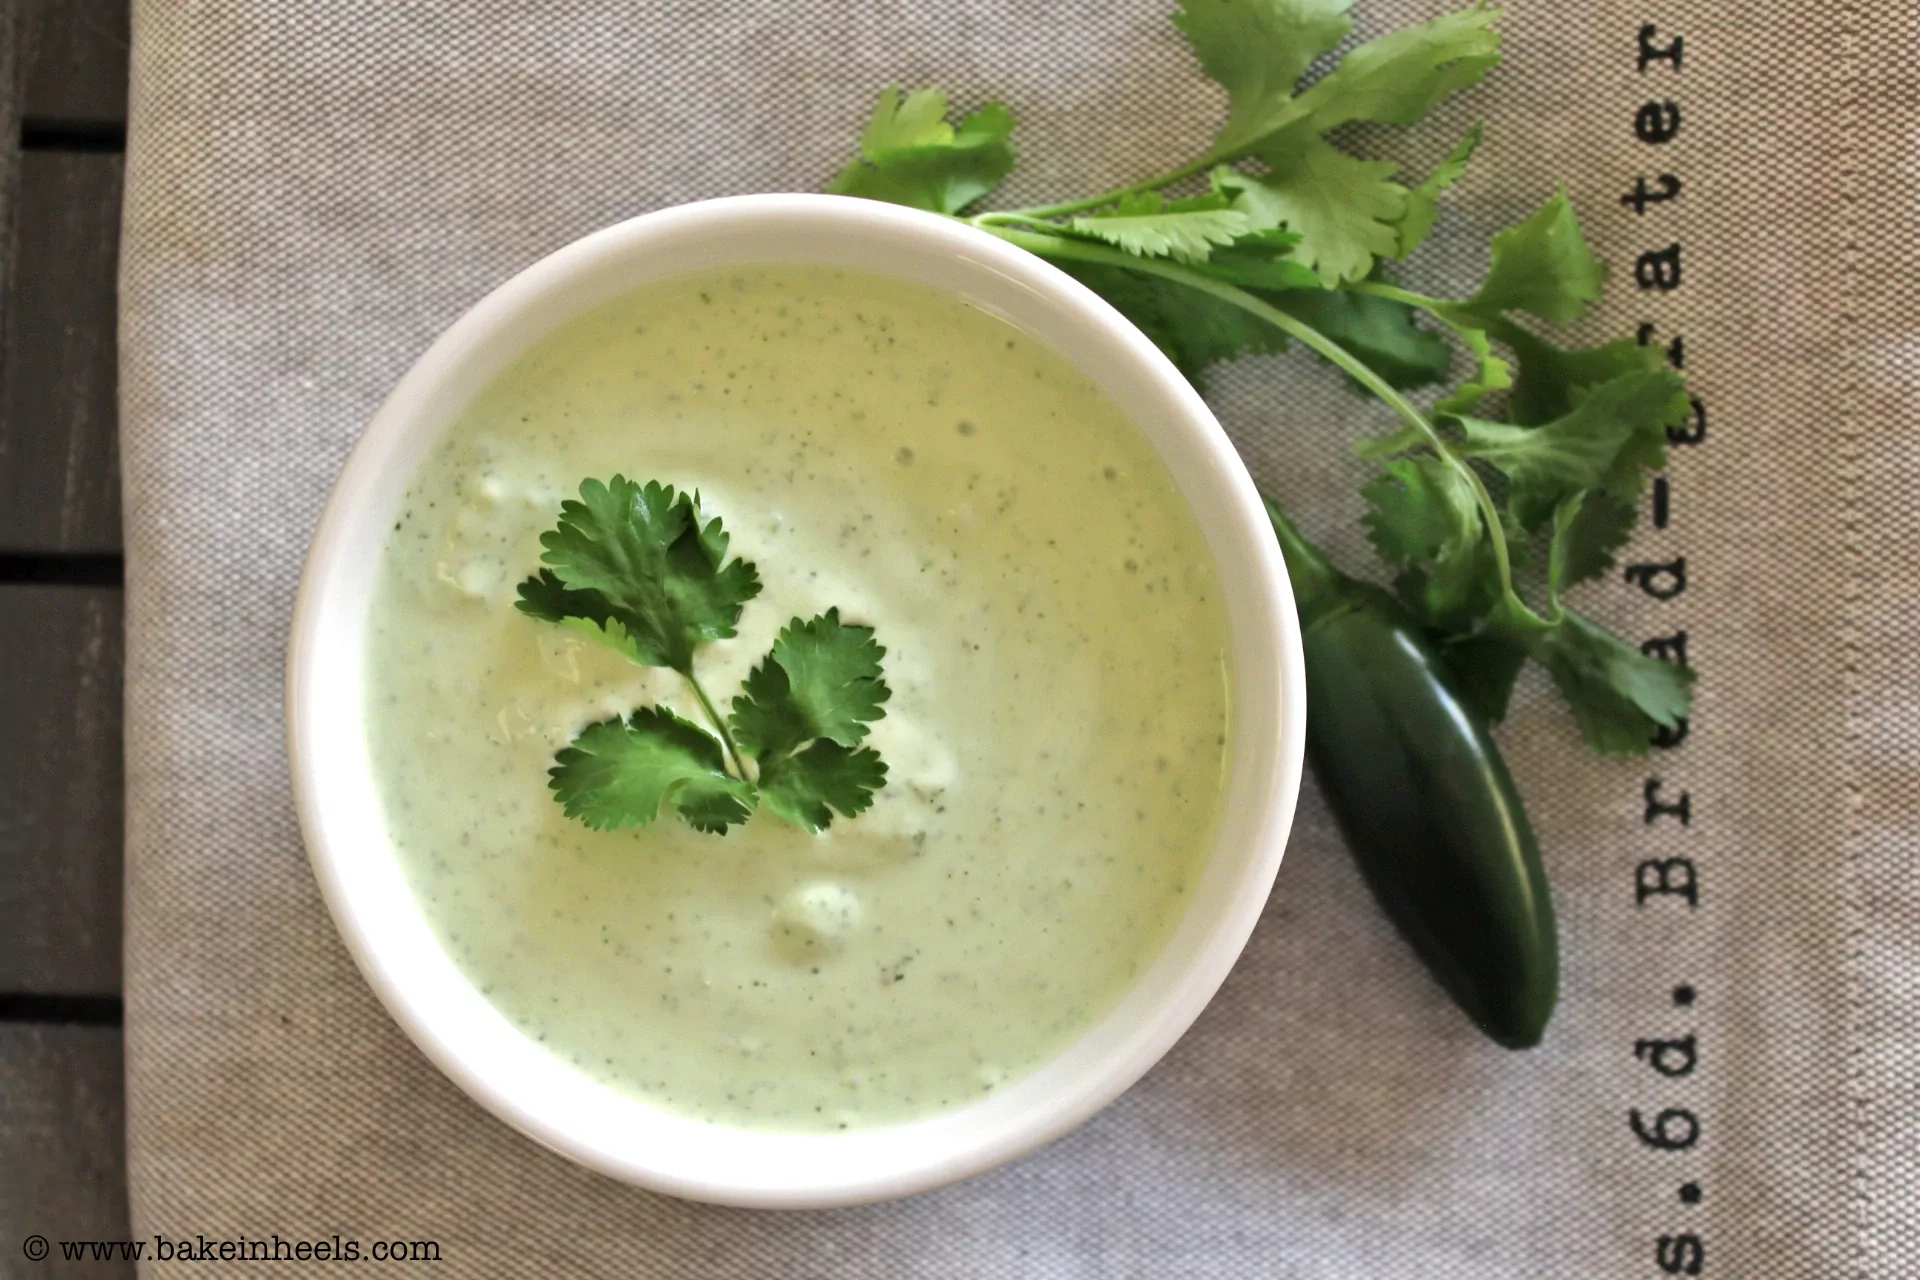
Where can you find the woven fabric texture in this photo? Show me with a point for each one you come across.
(315, 190)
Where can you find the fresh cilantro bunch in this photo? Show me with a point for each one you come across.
(1541, 453)
(634, 568)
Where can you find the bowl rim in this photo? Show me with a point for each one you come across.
(1257, 809)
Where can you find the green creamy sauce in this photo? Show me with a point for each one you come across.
(1056, 641)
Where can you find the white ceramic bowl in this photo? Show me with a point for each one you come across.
(514, 1077)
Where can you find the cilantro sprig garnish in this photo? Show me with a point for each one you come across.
(1536, 460)
(636, 568)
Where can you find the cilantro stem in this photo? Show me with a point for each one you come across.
(1059, 247)
(1380, 289)
(1313, 574)
(1447, 313)
(1145, 185)
(1015, 218)
(719, 725)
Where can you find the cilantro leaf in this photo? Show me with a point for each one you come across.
(1423, 202)
(1256, 50)
(1541, 266)
(1618, 695)
(1195, 329)
(1398, 77)
(1422, 509)
(910, 155)
(1347, 211)
(586, 613)
(822, 680)
(1262, 260)
(1379, 330)
(1613, 431)
(809, 786)
(1551, 377)
(1425, 521)
(639, 556)
(1343, 209)
(804, 710)
(1494, 374)
(545, 597)
(897, 124)
(1450, 595)
(618, 773)
(1204, 232)
(1587, 543)
(1147, 226)
(610, 632)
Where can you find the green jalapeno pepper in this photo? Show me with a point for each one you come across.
(1423, 798)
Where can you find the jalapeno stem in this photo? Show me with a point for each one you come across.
(1312, 573)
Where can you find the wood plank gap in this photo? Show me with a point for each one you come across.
(62, 569)
(72, 135)
(60, 1011)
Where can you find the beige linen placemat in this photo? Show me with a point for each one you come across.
(315, 190)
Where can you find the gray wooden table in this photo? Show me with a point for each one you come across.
(63, 68)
